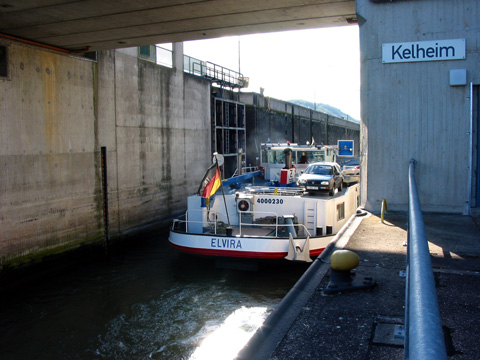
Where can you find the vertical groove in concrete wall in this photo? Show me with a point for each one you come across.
(96, 152)
(113, 128)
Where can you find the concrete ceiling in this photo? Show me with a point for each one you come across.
(84, 25)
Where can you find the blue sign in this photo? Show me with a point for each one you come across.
(345, 147)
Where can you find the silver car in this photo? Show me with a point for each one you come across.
(322, 177)
(351, 171)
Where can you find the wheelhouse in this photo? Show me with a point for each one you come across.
(273, 157)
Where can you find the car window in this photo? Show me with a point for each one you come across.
(353, 162)
(319, 170)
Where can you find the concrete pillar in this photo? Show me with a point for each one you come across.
(177, 57)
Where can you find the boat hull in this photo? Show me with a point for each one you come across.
(240, 246)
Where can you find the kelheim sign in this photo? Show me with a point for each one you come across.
(436, 50)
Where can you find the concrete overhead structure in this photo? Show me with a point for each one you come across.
(420, 77)
(101, 25)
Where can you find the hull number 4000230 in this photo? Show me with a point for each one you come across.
(270, 201)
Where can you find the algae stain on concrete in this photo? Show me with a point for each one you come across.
(98, 191)
(50, 95)
(142, 99)
(166, 137)
(33, 256)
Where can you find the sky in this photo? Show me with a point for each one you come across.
(318, 65)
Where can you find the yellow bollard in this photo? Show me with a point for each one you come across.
(342, 262)
(384, 210)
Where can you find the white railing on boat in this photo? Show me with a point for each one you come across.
(217, 225)
(276, 225)
(272, 190)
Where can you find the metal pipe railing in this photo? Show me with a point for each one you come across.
(423, 328)
(303, 231)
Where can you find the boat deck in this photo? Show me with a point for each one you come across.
(248, 230)
(269, 190)
(254, 231)
(325, 196)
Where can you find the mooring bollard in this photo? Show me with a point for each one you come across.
(342, 262)
(384, 210)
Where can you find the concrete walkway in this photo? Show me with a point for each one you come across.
(310, 324)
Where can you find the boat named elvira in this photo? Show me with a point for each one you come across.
(274, 220)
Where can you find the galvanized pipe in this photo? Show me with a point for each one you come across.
(423, 332)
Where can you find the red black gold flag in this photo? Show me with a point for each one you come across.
(211, 182)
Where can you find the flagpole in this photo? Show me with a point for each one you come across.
(223, 193)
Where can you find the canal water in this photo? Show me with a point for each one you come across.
(146, 301)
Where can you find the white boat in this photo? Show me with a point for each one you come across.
(263, 223)
(272, 221)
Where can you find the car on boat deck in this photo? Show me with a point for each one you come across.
(322, 177)
(351, 171)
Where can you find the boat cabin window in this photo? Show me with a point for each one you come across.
(276, 157)
(264, 157)
(340, 211)
(320, 170)
(308, 157)
(303, 157)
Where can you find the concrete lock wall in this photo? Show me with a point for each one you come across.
(58, 111)
(281, 121)
(159, 140)
(50, 194)
(410, 110)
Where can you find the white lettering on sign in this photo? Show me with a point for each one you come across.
(436, 50)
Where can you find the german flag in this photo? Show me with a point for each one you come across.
(211, 182)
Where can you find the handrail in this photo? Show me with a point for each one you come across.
(215, 222)
(240, 223)
(213, 72)
(423, 328)
(274, 190)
